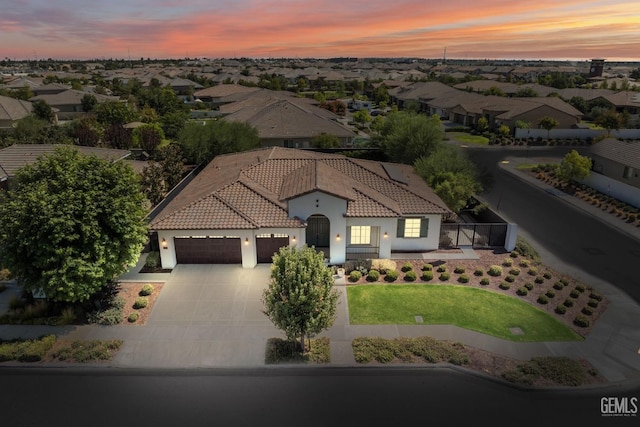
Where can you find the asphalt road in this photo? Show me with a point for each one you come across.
(574, 237)
(288, 397)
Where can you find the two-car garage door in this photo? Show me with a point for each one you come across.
(208, 250)
(225, 250)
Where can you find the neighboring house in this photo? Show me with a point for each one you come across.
(68, 104)
(284, 120)
(214, 96)
(244, 206)
(619, 160)
(17, 156)
(12, 110)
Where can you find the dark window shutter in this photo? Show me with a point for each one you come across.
(424, 227)
(400, 232)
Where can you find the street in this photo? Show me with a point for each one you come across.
(287, 396)
(573, 237)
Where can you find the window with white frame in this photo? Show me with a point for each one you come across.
(412, 227)
(360, 235)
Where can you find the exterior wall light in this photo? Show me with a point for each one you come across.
(246, 240)
(294, 239)
(165, 245)
(385, 235)
(338, 237)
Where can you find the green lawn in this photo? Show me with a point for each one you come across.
(471, 308)
(466, 138)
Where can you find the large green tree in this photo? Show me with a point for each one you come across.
(71, 224)
(201, 143)
(574, 166)
(451, 174)
(405, 137)
(300, 299)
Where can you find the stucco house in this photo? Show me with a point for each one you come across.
(12, 110)
(242, 207)
(617, 167)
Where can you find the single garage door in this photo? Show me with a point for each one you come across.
(268, 244)
(208, 250)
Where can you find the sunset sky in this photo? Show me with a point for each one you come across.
(494, 29)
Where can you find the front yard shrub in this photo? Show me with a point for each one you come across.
(495, 271)
(355, 275)
(140, 302)
(441, 268)
(560, 309)
(558, 286)
(444, 276)
(153, 260)
(407, 266)
(458, 270)
(146, 290)
(550, 293)
(383, 265)
(580, 288)
(524, 263)
(478, 272)
(26, 350)
(510, 278)
(514, 254)
(543, 299)
(558, 369)
(596, 296)
(109, 316)
(581, 321)
(568, 302)
(574, 293)
(373, 276)
(410, 276)
(507, 262)
(564, 282)
(539, 279)
(484, 281)
(533, 271)
(593, 303)
(587, 310)
(133, 317)
(504, 285)
(528, 285)
(522, 291)
(391, 276)
(427, 275)
(463, 278)
(427, 267)
(5, 274)
(547, 275)
(514, 272)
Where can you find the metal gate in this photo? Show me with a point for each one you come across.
(477, 235)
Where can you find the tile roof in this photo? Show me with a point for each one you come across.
(14, 109)
(17, 156)
(623, 152)
(252, 188)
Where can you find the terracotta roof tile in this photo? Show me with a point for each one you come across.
(249, 189)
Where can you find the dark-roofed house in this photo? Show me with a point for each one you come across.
(244, 206)
(69, 102)
(17, 156)
(617, 159)
(12, 110)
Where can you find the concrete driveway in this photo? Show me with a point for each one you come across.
(205, 316)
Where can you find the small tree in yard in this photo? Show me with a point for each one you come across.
(300, 299)
(574, 166)
(548, 123)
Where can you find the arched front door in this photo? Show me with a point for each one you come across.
(318, 231)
